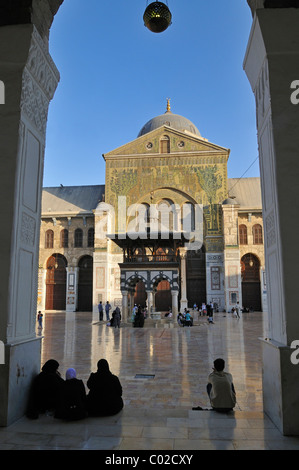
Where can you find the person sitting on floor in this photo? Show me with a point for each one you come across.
(188, 319)
(105, 392)
(220, 388)
(72, 403)
(45, 390)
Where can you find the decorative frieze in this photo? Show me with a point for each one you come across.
(28, 226)
(270, 229)
(40, 80)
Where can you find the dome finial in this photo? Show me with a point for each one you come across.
(168, 105)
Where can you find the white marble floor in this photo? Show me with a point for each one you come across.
(158, 411)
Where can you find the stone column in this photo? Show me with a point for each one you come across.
(30, 78)
(232, 266)
(72, 288)
(124, 306)
(175, 304)
(150, 301)
(41, 294)
(272, 66)
(184, 301)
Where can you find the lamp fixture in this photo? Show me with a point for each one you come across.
(157, 17)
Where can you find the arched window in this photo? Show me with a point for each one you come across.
(165, 144)
(64, 238)
(78, 238)
(257, 233)
(243, 235)
(49, 239)
(166, 212)
(90, 240)
(147, 214)
(188, 217)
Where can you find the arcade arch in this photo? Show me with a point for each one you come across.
(56, 282)
(251, 282)
(85, 283)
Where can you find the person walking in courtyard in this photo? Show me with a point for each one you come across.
(116, 317)
(105, 392)
(107, 310)
(139, 318)
(101, 311)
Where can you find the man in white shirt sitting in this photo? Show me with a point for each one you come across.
(220, 389)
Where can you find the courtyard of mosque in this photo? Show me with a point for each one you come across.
(163, 370)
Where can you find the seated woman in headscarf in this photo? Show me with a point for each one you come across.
(105, 392)
(72, 403)
(45, 391)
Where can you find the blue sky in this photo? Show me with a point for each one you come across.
(116, 75)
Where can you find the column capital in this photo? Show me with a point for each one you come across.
(183, 252)
(38, 12)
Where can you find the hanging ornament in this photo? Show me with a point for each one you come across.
(157, 17)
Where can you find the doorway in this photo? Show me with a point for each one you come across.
(163, 298)
(140, 296)
(56, 283)
(251, 283)
(85, 284)
(196, 277)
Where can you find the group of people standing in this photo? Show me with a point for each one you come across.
(205, 309)
(116, 314)
(67, 399)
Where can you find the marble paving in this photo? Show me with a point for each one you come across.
(163, 370)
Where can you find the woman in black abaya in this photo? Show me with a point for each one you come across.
(105, 392)
(45, 391)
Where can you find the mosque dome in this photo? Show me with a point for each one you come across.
(169, 119)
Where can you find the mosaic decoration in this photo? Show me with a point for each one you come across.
(210, 181)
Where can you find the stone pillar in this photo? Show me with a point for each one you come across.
(71, 288)
(124, 306)
(131, 301)
(150, 301)
(41, 291)
(175, 304)
(184, 301)
(30, 79)
(232, 266)
(272, 65)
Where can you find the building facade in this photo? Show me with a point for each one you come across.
(168, 229)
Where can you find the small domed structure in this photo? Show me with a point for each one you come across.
(231, 200)
(157, 17)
